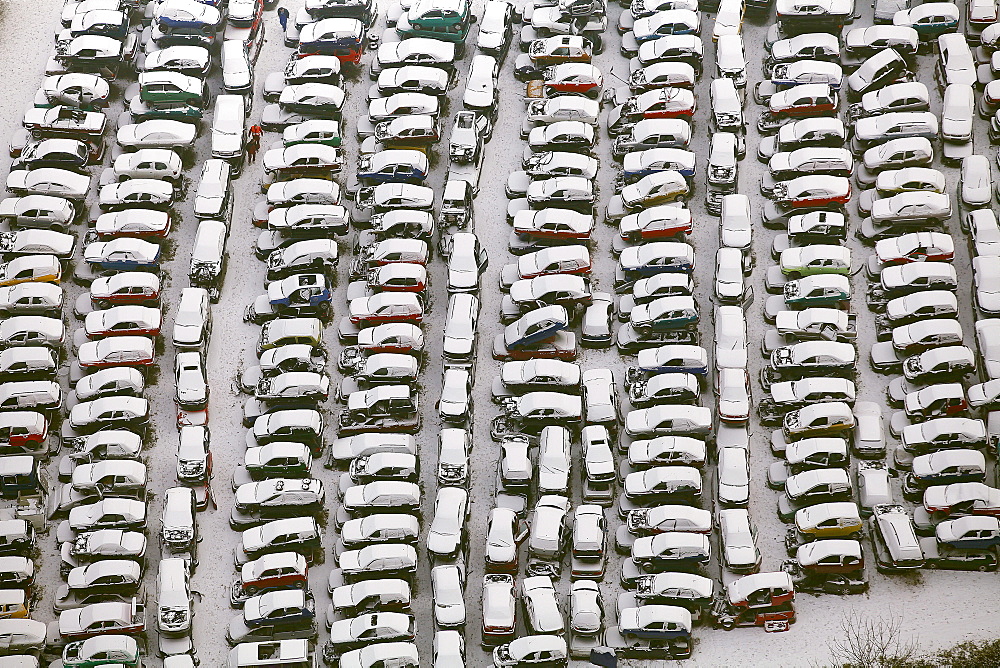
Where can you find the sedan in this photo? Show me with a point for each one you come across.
(158, 133)
(141, 192)
(575, 136)
(49, 181)
(915, 247)
(192, 387)
(733, 390)
(730, 277)
(70, 154)
(448, 594)
(912, 206)
(138, 222)
(123, 320)
(37, 242)
(734, 476)
(467, 260)
(386, 307)
(503, 535)
(123, 254)
(973, 498)
(117, 351)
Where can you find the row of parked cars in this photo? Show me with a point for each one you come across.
(812, 356)
(277, 499)
(943, 425)
(102, 496)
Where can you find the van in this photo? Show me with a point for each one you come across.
(731, 60)
(237, 71)
(894, 540)
(208, 258)
(173, 598)
(727, 106)
(228, 122)
(294, 653)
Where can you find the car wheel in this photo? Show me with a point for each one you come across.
(931, 565)
(855, 536)
(251, 590)
(984, 567)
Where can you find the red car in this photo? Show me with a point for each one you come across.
(22, 429)
(281, 570)
(804, 100)
(387, 307)
(916, 247)
(129, 287)
(573, 78)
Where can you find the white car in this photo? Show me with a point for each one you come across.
(733, 390)
(192, 384)
(455, 404)
(541, 606)
(448, 591)
(730, 338)
(481, 86)
(736, 228)
(554, 460)
(447, 531)
(158, 133)
(734, 476)
(212, 197)
(730, 278)
(739, 541)
(601, 397)
(192, 320)
(149, 163)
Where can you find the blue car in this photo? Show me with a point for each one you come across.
(642, 163)
(538, 325)
(123, 254)
(393, 166)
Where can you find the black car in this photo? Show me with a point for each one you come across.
(63, 153)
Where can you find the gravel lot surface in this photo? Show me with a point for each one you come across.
(939, 608)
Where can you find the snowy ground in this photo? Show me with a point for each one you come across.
(939, 608)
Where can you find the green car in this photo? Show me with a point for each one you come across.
(120, 650)
(818, 290)
(316, 131)
(447, 20)
(815, 259)
(166, 87)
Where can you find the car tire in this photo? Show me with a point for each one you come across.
(931, 565)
